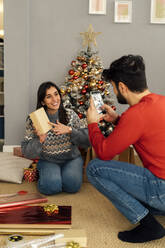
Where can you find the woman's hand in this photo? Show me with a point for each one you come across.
(110, 115)
(60, 128)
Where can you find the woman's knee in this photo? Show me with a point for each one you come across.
(72, 185)
(49, 186)
(49, 182)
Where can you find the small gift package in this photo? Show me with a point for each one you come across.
(31, 173)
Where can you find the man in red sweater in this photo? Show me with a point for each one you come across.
(137, 192)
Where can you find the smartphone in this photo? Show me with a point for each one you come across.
(98, 101)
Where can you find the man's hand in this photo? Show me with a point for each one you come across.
(60, 128)
(92, 114)
(111, 115)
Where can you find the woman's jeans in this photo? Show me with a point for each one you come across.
(133, 190)
(55, 178)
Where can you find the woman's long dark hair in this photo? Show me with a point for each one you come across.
(63, 118)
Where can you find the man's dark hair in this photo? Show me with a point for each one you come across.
(128, 69)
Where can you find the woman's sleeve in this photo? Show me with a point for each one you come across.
(31, 146)
(79, 134)
(80, 137)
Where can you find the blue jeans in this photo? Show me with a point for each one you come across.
(132, 189)
(55, 178)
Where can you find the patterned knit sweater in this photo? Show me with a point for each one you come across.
(56, 148)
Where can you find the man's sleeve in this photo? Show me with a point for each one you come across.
(128, 130)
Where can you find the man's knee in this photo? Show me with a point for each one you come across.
(92, 166)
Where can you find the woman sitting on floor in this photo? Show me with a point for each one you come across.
(60, 163)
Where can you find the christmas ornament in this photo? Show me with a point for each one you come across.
(75, 77)
(68, 90)
(71, 72)
(79, 68)
(74, 89)
(85, 76)
(81, 102)
(89, 37)
(84, 66)
(83, 91)
(73, 63)
(63, 89)
(80, 115)
(92, 84)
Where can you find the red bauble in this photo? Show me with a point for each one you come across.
(81, 102)
(86, 86)
(80, 115)
(71, 72)
(75, 77)
(101, 82)
(83, 91)
(84, 66)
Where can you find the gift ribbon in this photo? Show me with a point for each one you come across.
(51, 209)
(72, 244)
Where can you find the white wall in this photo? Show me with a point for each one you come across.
(42, 37)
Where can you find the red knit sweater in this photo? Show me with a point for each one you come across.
(143, 126)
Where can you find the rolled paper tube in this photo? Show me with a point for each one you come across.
(15, 240)
(38, 242)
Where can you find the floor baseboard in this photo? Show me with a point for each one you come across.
(9, 148)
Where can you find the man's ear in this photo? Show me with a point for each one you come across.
(122, 87)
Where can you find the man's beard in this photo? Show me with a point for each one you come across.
(121, 98)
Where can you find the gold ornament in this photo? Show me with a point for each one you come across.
(72, 245)
(92, 84)
(68, 90)
(85, 76)
(80, 87)
(106, 92)
(91, 61)
(89, 37)
(63, 90)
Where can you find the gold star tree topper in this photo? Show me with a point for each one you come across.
(89, 36)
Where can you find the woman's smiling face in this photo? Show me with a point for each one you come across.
(52, 100)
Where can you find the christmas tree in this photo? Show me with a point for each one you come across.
(84, 77)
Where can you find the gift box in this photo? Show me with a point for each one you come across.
(17, 151)
(31, 173)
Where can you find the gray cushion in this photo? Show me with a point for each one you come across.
(12, 167)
